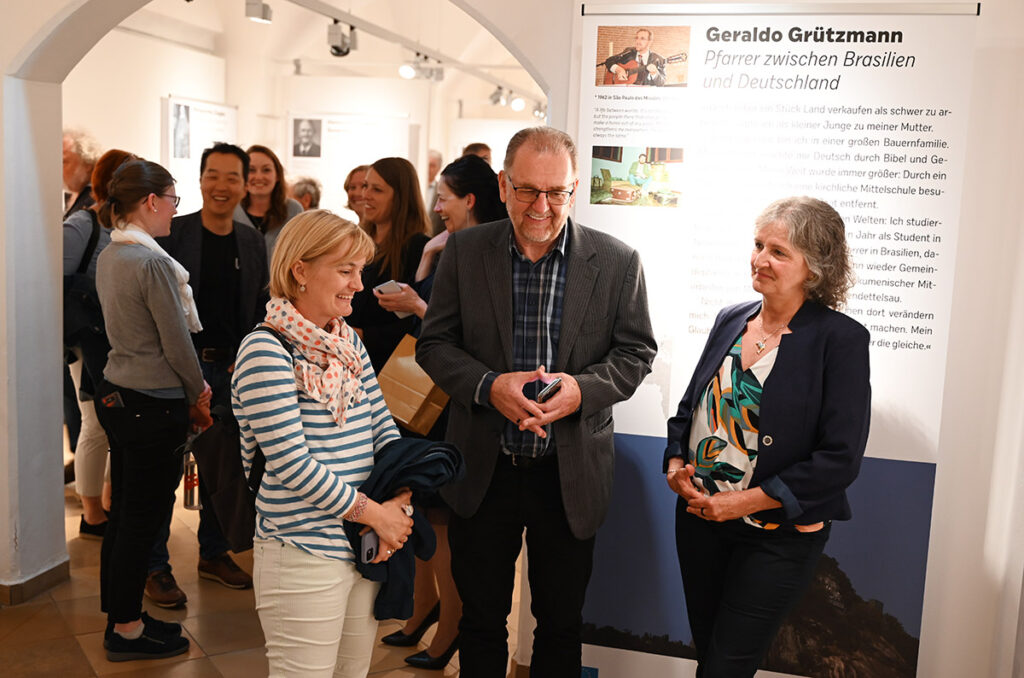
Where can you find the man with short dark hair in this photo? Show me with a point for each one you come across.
(545, 293)
(228, 272)
(639, 60)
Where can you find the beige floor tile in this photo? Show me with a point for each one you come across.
(84, 582)
(12, 618)
(92, 645)
(206, 597)
(221, 632)
(36, 622)
(45, 658)
(83, 552)
(193, 668)
(242, 664)
(82, 615)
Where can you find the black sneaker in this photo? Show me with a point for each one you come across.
(155, 627)
(146, 646)
(159, 627)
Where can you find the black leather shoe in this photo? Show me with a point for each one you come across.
(422, 660)
(402, 639)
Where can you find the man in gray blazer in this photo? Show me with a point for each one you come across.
(510, 300)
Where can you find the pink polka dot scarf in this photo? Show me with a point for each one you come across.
(332, 370)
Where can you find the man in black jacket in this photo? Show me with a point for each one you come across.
(228, 273)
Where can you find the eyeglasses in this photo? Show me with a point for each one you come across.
(175, 198)
(529, 195)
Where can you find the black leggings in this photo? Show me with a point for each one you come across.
(740, 582)
(146, 437)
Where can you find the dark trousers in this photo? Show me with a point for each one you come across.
(484, 551)
(211, 537)
(740, 582)
(146, 435)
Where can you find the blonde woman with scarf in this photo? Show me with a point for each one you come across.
(152, 388)
(316, 412)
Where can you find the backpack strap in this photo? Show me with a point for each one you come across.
(259, 460)
(94, 239)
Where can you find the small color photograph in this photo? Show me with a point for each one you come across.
(646, 176)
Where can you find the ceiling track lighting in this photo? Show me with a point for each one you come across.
(258, 11)
(420, 68)
(339, 43)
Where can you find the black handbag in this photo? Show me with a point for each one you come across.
(232, 495)
(82, 312)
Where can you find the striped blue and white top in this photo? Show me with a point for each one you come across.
(314, 467)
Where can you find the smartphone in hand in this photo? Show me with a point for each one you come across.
(551, 389)
(369, 546)
(392, 287)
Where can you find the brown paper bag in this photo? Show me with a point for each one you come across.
(415, 402)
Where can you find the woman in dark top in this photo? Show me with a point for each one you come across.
(266, 205)
(467, 195)
(396, 219)
(768, 435)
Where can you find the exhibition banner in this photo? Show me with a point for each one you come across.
(189, 126)
(695, 118)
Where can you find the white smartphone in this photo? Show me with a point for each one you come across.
(391, 287)
(369, 546)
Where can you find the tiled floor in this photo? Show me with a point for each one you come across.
(59, 634)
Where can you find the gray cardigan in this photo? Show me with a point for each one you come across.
(151, 347)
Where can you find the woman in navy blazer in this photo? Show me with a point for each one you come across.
(769, 433)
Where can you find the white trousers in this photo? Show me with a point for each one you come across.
(92, 464)
(316, 613)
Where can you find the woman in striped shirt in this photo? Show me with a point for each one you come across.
(318, 415)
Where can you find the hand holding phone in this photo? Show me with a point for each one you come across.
(392, 287)
(551, 389)
(369, 546)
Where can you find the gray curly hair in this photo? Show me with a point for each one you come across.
(818, 232)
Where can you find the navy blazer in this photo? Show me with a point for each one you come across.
(185, 245)
(815, 410)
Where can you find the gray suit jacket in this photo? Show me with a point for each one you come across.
(606, 343)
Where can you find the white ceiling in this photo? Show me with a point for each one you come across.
(298, 33)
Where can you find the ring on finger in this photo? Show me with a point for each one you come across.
(407, 508)
(391, 552)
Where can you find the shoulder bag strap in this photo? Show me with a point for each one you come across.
(94, 239)
(259, 460)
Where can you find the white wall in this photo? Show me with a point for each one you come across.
(973, 588)
(128, 117)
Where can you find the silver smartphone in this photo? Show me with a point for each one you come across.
(392, 287)
(549, 390)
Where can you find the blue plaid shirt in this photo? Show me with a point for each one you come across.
(538, 290)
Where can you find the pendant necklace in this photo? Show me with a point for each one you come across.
(765, 337)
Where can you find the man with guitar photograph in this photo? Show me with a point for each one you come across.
(638, 65)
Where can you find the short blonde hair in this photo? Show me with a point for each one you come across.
(306, 237)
